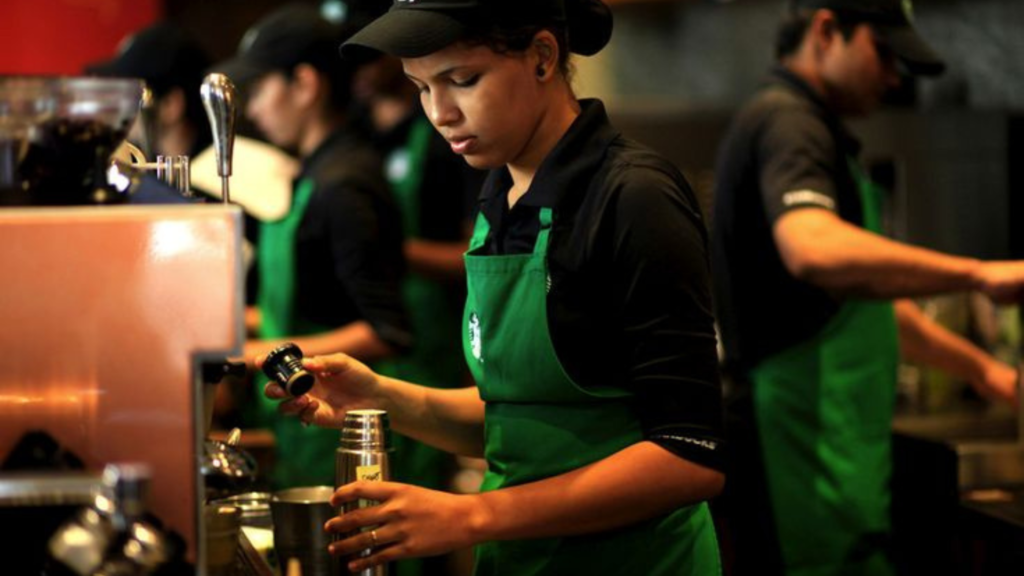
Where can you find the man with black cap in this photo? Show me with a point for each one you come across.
(172, 63)
(805, 288)
(330, 269)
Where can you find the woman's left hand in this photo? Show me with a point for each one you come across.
(408, 521)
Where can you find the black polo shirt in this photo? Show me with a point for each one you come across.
(348, 246)
(629, 302)
(784, 151)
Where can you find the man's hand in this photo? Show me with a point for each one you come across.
(1003, 281)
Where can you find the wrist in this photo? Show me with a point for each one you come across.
(976, 280)
(480, 521)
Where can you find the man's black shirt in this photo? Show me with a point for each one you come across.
(784, 150)
(629, 302)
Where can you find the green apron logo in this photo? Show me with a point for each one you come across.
(474, 336)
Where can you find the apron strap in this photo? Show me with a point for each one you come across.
(540, 247)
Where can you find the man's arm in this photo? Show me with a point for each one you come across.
(820, 248)
(924, 341)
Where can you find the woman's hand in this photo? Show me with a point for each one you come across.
(342, 384)
(408, 521)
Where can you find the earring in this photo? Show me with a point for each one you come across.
(540, 70)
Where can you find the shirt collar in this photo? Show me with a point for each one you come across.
(782, 76)
(568, 166)
(322, 153)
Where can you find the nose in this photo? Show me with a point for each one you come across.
(440, 108)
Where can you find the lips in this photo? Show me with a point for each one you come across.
(462, 144)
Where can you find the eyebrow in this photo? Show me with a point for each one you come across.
(440, 74)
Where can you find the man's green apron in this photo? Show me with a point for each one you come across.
(824, 410)
(303, 456)
(539, 423)
(434, 316)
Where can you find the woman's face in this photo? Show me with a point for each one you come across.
(272, 109)
(487, 105)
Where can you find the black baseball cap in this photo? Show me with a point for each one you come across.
(414, 28)
(164, 55)
(893, 21)
(291, 35)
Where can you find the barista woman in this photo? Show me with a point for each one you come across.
(588, 324)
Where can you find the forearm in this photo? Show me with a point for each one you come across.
(357, 339)
(923, 341)
(438, 260)
(818, 247)
(449, 419)
(637, 483)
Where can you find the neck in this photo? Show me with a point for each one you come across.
(175, 139)
(387, 112)
(551, 125)
(317, 130)
(803, 67)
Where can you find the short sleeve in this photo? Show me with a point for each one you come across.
(797, 159)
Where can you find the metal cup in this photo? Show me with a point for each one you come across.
(364, 454)
(222, 530)
(299, 516)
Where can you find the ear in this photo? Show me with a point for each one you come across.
(544, 51)
(171, 107)
(824, 30)
(307, 86)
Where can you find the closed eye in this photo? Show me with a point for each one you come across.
(467, 82)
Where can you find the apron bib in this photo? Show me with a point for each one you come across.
(303, 456)
(823, 413)
(539, 423)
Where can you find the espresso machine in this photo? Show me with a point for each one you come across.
(112, 313)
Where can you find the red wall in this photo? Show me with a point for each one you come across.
(62, 36)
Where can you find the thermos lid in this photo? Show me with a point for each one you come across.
(366, 430)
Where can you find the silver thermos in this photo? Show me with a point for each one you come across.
(364, 453)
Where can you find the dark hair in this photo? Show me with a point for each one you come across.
(790, 33)
(323, 57)
(339, 81)
(516, 40)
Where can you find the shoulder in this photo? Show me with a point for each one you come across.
(356, 165)
(638, 180)
(779, 116)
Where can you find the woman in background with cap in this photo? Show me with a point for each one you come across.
(587, 325)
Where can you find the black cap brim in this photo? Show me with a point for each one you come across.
(919, 58)
(242, 70)
(405, 33)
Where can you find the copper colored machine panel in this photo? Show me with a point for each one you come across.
(104, 315)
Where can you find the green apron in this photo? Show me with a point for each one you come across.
(539, 423)
(435, 317)
(303, 456)
(824, 412)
